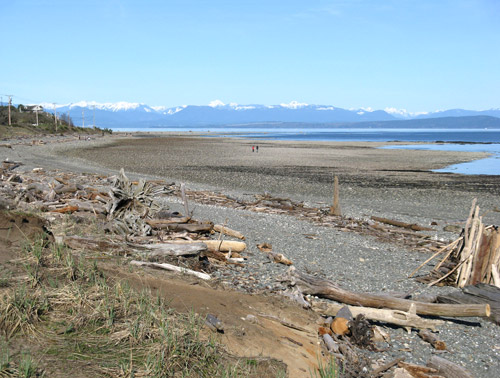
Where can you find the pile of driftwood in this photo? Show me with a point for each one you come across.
(386, 230)
(350, 322)
(471, 259)
(128, 211)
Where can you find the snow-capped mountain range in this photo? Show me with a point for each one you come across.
(126, 114)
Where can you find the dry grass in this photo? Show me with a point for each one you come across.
(73, 314)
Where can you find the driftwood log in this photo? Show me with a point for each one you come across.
(158, 223)
(227, 231)
(479, 293)
(171, 249)
(189, 227)
(404, 319)
(340, 325)
(410, 226)
(78, 242)
(221, 245)
(331, 344)
(407, 370)
(432, 339)
(447, 368)
(387, 366)
(328, 289)
(171, 267)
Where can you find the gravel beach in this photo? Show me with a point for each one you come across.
(395, 184)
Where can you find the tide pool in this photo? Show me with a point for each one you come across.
(487, 166)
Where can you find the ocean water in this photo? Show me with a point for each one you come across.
(487, 166)
(373, 135)
(325, 133)
(476, 140)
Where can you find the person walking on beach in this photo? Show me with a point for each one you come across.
(253, 148)
(257, 148)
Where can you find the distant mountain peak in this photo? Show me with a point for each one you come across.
(216, 104)
(111, 106)
(294, 105)
(403, 113)
(219, 113)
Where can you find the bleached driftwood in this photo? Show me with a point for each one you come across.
(220, 245)
(495, 275)
(401, 318)
(227, 231)
(331, 344)
(225, 245)
(78, 242)
(472, 259)
(172, 249)
(173, 268)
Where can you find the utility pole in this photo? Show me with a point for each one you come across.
(36, 112)
(10, 103)
(94, 116)
(67, 119)
(55, 116)
(83, 117)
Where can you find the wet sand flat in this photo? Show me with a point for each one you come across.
(396, 183)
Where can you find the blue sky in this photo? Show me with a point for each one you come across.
(421, 55)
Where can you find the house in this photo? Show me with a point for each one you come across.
(30, 108)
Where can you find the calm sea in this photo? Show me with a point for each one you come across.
(485, 140)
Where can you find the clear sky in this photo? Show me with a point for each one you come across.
(421, 55)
